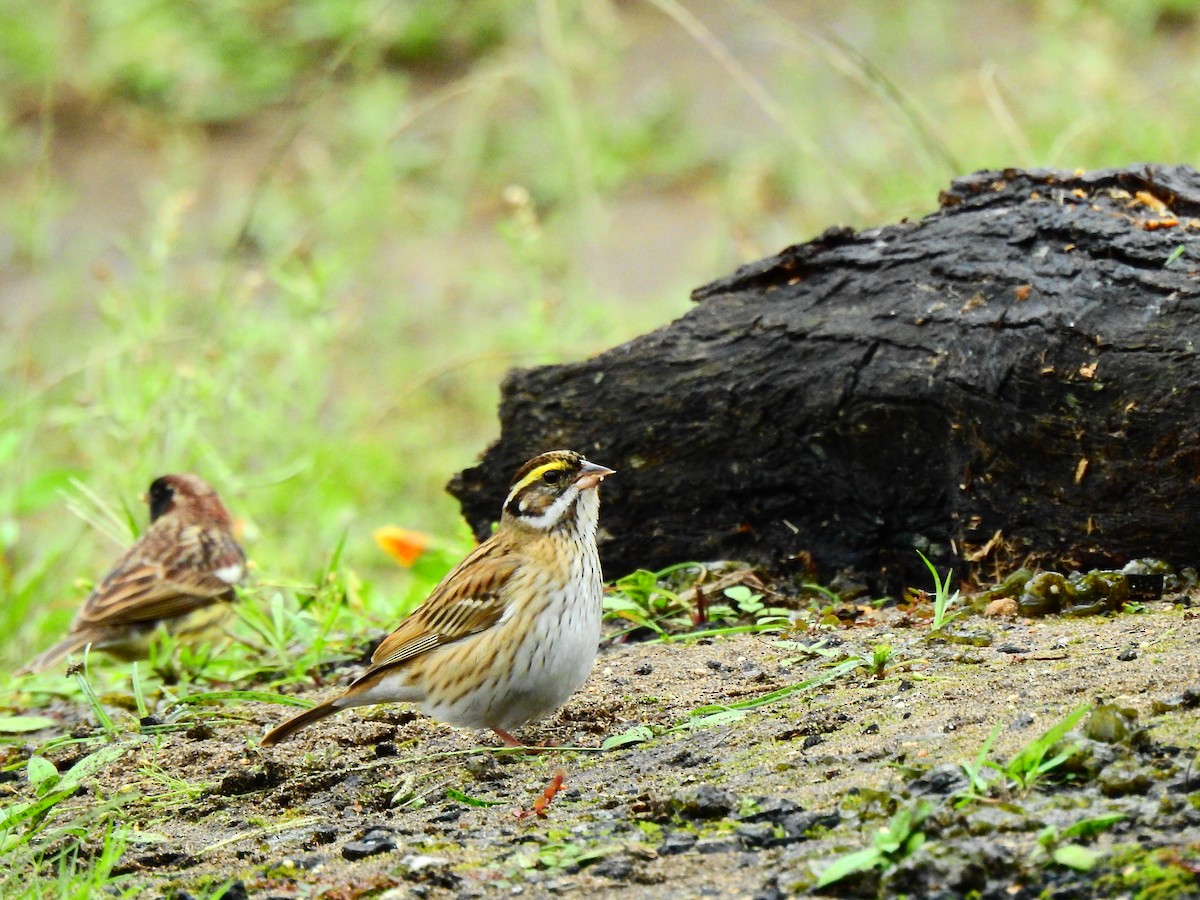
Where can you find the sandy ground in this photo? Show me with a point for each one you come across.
(380, 802)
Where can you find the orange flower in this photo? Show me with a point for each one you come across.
(402, 544)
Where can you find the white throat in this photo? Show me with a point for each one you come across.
(554, 512)
(587, 512)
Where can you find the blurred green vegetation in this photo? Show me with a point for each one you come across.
(294, 245)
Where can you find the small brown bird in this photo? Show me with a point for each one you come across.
(180, 575)
(510, 633)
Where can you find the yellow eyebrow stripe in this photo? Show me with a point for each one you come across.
(537, 473)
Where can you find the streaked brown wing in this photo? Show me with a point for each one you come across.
(467, 601)
(168, 572)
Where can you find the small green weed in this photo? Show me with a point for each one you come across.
(880, 663)
(477, 802)
(1064, 847)
(679, 600)
(175, 790)
(714, 714)
(718, 714)
(561, 855)
(943, 600)
(901, 838)
(71, 875)
(821, 648)
(748, 604)
(1039, 759)
(877, 666)
(645, 599)
(1032, 764)
(976, 770)
(1161, 873)
(28, 826)
(98, 710)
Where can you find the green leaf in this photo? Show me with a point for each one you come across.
(888, 842)
(1076, 856)
(23, 724)
(92, 764)
(858, 861)
(41, 773)
(472, 801)
(1086, 828)
(709, 719)
(635, 735)
(618, 603)
(64, 787)
(11, 816)
(1032, 757)
(770, 697)
(914, 843)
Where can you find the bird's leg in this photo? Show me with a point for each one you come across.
(509, 740)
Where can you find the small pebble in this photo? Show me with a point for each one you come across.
(1023, 720)
(373, 842)
(941, 781)
(1014, 649)
(483, 767)
(703, 801)
(770, 891)
(1001, 608)
(324, 834)
(416, 864)
(717, 845)
(618, 867)
(756, 834)
(677, 842)
(1124, 779)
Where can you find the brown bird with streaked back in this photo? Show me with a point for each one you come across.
(179, 575)
(512, 631)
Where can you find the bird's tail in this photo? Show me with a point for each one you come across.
(303, 720)
(71, 644)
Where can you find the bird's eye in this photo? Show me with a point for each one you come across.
(554, 476)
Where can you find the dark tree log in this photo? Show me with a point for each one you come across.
(1015, 374)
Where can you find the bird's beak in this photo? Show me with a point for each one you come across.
(590, 475)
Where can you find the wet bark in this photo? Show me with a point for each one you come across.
(1013, 375)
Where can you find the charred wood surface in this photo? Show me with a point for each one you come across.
(1014, 374)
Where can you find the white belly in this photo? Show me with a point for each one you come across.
(554, 660)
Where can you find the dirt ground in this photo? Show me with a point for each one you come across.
(386, 803)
